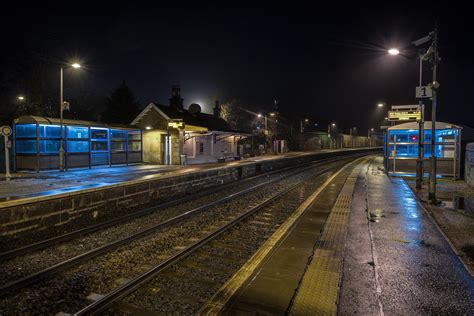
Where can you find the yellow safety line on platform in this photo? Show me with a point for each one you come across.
(220, 299)
(319, 288)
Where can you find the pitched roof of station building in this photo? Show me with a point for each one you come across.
(208, 121)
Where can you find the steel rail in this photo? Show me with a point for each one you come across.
(61, 266)
(124, 290)
(90, 229)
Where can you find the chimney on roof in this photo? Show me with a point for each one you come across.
(176, 101)
(217, 109)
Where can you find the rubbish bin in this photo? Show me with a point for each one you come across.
(182, 159)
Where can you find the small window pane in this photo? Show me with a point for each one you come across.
(77, 146)
(26, 130)
(134, 146)
(49, 146)
(136, 135)
(99, 146)
(49, 131)
(118, 146)
(77, 132)
(118, 134)
(98, 133)
(25, 146)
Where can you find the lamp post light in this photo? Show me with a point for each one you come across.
(330, 127)
(301, 124)
(393, 52)
(421, 128)
(61, 108)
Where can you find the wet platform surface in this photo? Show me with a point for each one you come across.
(272, 286)
(396, 260)
(47, 183)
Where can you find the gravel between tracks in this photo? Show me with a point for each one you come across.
(68, 291)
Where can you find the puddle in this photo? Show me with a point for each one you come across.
(376, 215)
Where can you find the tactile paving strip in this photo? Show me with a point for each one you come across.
(220, 299)
(319, 287)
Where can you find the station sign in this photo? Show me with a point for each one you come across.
(6, 130)
(176, 124)
(424, 92)
(404, 113)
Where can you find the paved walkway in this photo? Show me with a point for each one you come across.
(45, 183)
(396, 261)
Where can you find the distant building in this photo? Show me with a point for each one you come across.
(171, 133)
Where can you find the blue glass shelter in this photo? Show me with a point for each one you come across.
(401, 148)
(85, 143)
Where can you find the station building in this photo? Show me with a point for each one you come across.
(401, 148)
(85, 143)
(172, 134)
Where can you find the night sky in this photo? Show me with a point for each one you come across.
(327, 64)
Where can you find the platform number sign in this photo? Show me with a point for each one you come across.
(424, 92)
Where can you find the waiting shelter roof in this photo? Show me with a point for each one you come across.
(414, 125)
(32, 119)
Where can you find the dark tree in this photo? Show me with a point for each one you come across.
(121, 106)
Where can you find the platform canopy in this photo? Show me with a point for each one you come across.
(427, 125)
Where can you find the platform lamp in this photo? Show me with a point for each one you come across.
(62, 106)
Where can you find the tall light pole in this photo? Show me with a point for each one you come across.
(61, 108)
(264, 130)
(435, 85)
(421, 123)
(421, 133)
(301, 124)
(330, 126)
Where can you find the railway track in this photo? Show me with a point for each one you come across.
(197, 262)
(35, 246)
(54, 270)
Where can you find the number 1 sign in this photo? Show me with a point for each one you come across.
(424, 92)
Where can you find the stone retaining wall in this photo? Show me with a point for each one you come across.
(93, 205)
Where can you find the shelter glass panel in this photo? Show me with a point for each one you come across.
(25, 130)
(25, 146)
(99, 145)
(118, 134)
(118, 146)
(135, 135)
(77, 132)
(49, 131)
(49, 146)
(99, 133)
(75, 146)
(134, 146)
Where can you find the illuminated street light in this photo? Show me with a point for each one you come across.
(259, 115)
(62, 106)
(272, 114)
(21, 98)
(380, 104)
(306, 120)
(333, 124)
(393, 52)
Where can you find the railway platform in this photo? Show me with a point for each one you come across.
(363, 244)
(26, 185)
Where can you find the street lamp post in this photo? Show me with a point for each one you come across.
(421, 133)
(432, 187)
(301, 124)
(330, 126)
(61, 108)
